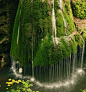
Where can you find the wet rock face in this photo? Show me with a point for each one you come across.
(7, 15)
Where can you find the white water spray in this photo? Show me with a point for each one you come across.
(54, 25)
(74, 62)
(82, 55)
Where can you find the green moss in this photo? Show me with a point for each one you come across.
(15, 32)
(79, 40)
(84, 33)
(59, 24)
(73, 45)
(67, 47)
(84, 36)
(79, 8)
(44, 50)
(68, 16)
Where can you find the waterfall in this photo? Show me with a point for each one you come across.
(83, 49)
(53, 21)
(62, 10)
(60, 4)
(74, 62)
(32, 59)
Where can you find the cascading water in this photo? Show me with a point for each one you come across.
(61, 11)
(83, 49)
(54, 25)
(73, 63)
(53, 22)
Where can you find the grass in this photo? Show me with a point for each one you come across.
(22, 86)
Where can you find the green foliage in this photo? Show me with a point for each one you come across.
(79, 9)
(59, 24)
(34, 25)
(69, 17)
(73, 45)
(56, 7)
(83, 90)
(84, 36)
(68, 49)
(79, 40)
(25, 86)
(15, 31)
(42, 55)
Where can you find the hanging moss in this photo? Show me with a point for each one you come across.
(74, 45)
(42, 55)
(79, 40)
(68, 49)
(59, 24)
(84, 34)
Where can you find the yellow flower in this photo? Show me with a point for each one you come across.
(19, 81)
(0, 85)
(9, 79)
(6, 88)
(13, 80)
(8, 85)
(7, 82)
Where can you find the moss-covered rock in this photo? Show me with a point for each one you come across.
(79, 8)
(68, 16)
(35, 41)
(79, 39)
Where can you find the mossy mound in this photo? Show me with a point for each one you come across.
(35, 33)
(49, 53)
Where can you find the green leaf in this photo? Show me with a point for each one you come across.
(24, 89)
(12, 90)
(18, 90)
(27, 81)
(8, 91)
(30, 85)
(29, 90)
(22, 81)
(26, 86)
(37, 91)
